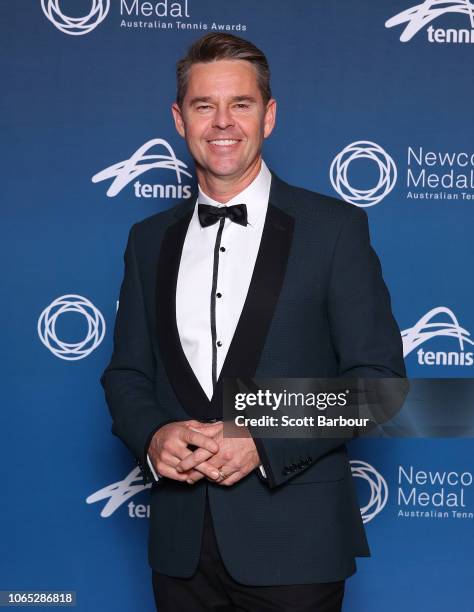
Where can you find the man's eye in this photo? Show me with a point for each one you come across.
(242, 105)
(203, 106)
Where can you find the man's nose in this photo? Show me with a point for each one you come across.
(223, 118)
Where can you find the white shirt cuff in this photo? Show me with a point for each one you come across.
(262, 471)
(150, 465)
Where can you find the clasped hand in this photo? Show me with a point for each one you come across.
(224, 461)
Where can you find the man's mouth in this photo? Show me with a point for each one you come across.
(223, 142)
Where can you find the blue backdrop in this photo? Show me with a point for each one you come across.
(374, 106)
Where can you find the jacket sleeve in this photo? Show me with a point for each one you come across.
(128, 380)
(364, 333)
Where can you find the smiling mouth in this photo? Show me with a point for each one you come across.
(224, 142)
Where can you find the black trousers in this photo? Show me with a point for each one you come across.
(212, 589)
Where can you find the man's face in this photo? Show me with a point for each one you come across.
(223, 117)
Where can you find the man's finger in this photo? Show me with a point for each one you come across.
(201, 440)
(173, 458)
(193, 476)
(208, 429)
(232, 476)
(170, 472)
(203, 425)
(195, 459)
(203, 470)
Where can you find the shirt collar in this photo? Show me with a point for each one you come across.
(254, 196)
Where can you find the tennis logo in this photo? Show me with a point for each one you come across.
(373, 194)
(71, 351)
(420, 15)
(438, 322)
(378, 490)
(76, 26)
(143, 160)
(119, 492)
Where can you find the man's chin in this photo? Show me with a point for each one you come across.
(223, 172)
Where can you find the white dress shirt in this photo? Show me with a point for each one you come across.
(237, 256)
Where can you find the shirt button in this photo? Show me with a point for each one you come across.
(219, 343)
(222, 249)
(218, 295)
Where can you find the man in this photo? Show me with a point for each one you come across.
(253, 277)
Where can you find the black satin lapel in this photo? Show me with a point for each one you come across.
(182, 378)
(249, 338)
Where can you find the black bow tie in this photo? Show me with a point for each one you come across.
(208, 215)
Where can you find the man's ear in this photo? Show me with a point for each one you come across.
(270, 117)
(178, 119)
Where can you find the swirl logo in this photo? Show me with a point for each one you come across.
(68, 350)
(76, 26)
(378, 489)
(363, 149)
